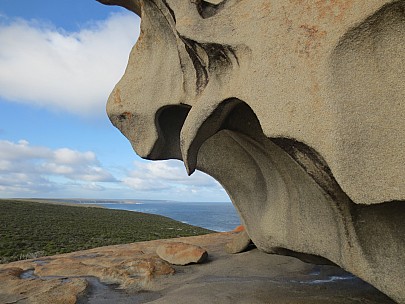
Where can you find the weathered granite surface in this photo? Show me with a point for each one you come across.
(239, 243)
(178, 253)
(133, 273)
(296, 107)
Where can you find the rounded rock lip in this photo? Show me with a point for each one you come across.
(178, 253)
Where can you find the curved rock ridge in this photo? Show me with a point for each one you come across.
(296, 107)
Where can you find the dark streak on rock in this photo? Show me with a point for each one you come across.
(232, 51)
(207, 10)
(121, 117)
(316, 167)
(219, 59)
(199, 66)
(218, 55)
(170, 10)
(309, 159)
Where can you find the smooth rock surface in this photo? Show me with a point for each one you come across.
(295, 107)
(14, 289)
(133, 273)
(181, 253)
(239, 243)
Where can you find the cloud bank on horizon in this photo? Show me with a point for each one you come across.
(47, 67)
(27, 170)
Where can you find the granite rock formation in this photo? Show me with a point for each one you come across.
(239, 243)
(296, 107)
(178, 253)
(133, 273)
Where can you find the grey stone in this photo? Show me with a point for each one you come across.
(295, 107)
(252, 277)
(239, 243)
(178, 253)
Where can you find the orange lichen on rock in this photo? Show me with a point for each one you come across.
(239, 228)
(333, 9)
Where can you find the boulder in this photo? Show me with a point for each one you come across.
(295, 107)
(178, 253)
(239, 243)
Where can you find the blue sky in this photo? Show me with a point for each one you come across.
(59, 60)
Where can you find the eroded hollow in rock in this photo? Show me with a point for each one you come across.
(296, 108)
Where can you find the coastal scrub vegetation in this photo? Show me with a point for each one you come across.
(32, 229)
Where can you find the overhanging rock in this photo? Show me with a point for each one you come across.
(296, 107)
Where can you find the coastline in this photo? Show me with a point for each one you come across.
(52, 202)
(33, 228)
(216, 216)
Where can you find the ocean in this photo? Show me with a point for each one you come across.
(217, 216)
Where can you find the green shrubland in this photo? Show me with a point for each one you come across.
(32, 229)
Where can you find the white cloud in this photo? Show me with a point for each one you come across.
(170, 176)
(23, 184)
(73, 72)
(27, 170)
(10, 151)
(32, 169)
